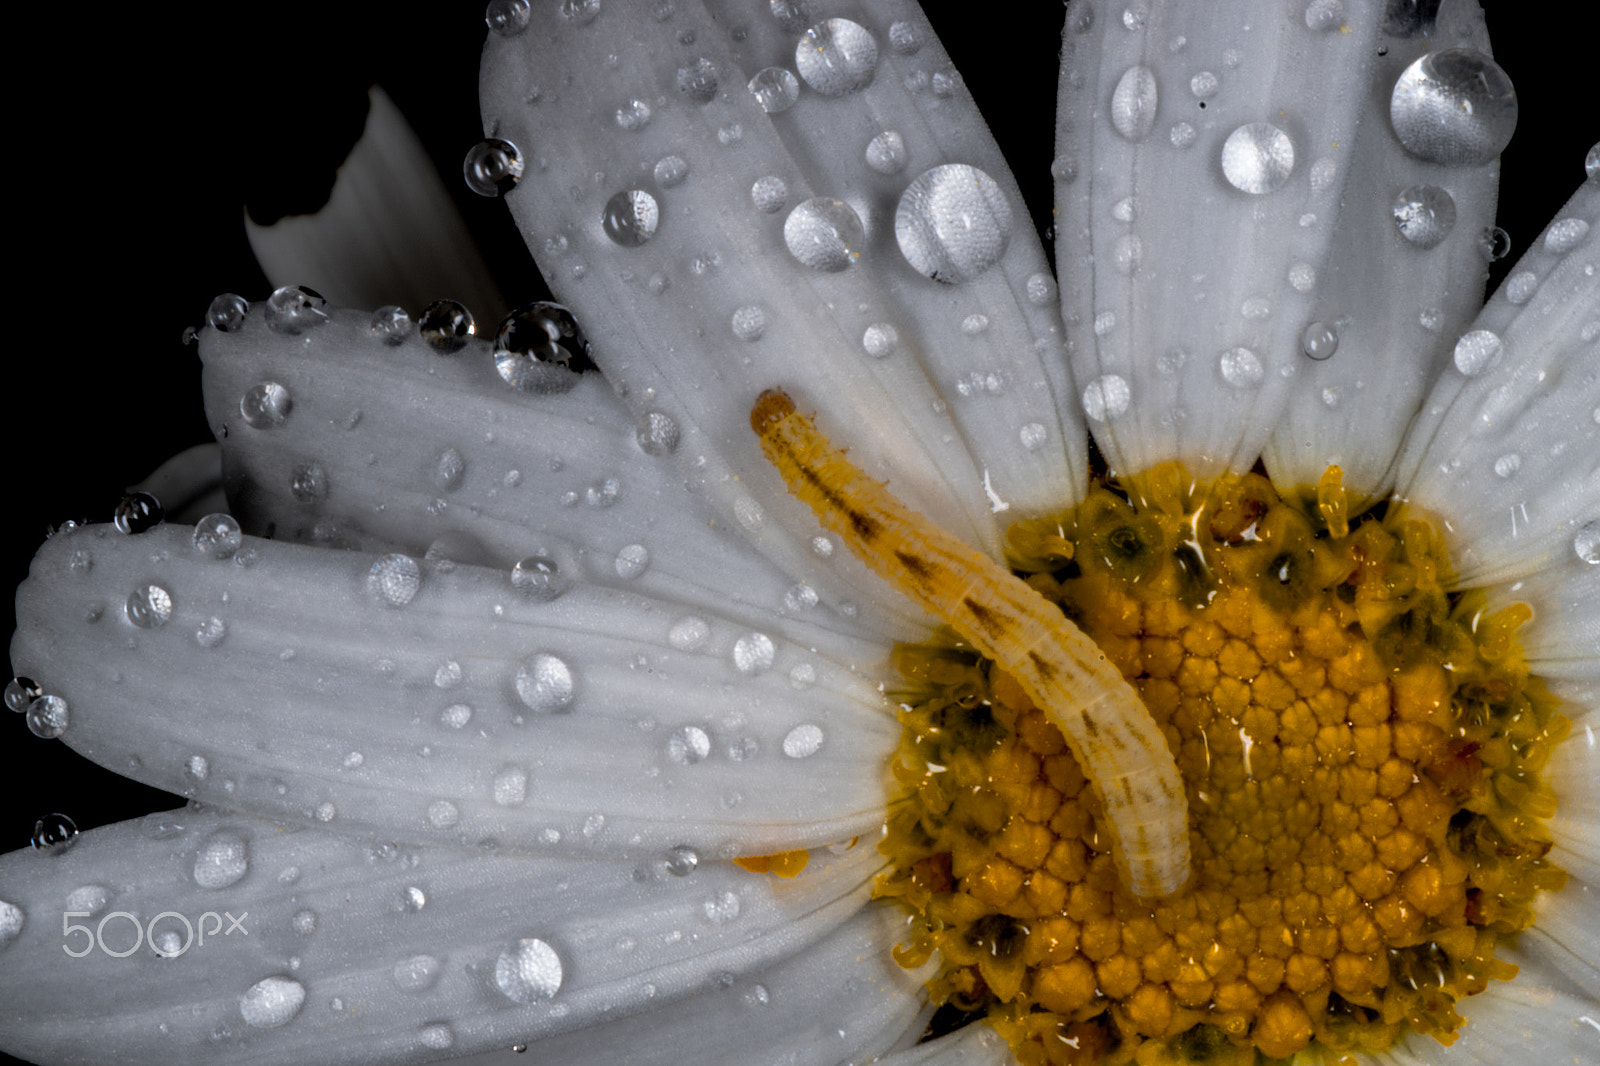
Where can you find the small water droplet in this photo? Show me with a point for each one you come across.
(391, 325)
(507, 17)
(1564, 235)
(149, 606)
(769, 194)
(698, 81)
(670, 171)
(411, 899)
(1257, 158)
(748, 323)
(1508, 464)
(539, 347)
(272, 1002)
(775, 89)
(1587, 543)
(753, 653)
(1453, 106)
(689, 634)
(836, 56)
(217, 536)
(528, 971)
(210, 632)
(880, 339)
(492, 167)
(633, 116)
(1424, 215)
(293, 309)
(54, 834)
(12, 920)
(20, 692)
(688, 745)
(803, 741)
(1106, 397)
(886, 153)
(722, 908)
(137, 512)
(1325, 15)
(800, 597)
(222, 860)
(1182, 134)
(632, 561)
(1126, 254)
(682, 860)
(1476, 351)
(630, 218)
(1133, 103)
(581, 12)
(226, 313)
(510, 786)
(447, 470)
(824, 234)
(756, 996)
(538, 577)
(1204, 85)
(1241, 368)
(1033, 436)
(952, 223)
(545, 684)
(822, 546)
(394, 580)
(442, 814)
(1520, 286)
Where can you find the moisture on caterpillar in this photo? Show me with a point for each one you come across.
(1119, 747)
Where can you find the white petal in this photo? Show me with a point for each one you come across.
(1184, 211)
(389, 233)
(972, 386)
(1512, 1022)
(1396, 305)
(1510, 454)
(416, 448)
(975, 1045)
(1574, 768)
(1563, 640)
(311, 686)
(1565, 937)
(842, 1000)
(365, 947)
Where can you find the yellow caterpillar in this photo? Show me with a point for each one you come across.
(1117, 744)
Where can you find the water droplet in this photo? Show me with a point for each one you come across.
(1319, 341)
(1424, 215)
(721, 908)
(775, 89)
(1520, 286)
(689, 634)
(632, 561)
(437, 1036)
(1126, 253)
(536, 346)
(510, 786)
(836, 56)
(952, 223)
(1477, 351)
(1104, 323)
(507, 17)
(445, 326)
(880, 339)
(630, 218)
(528, 971)
(447, 470)
(456, 716)
(1106, 397)
(1587, 543)
(544, 683)
(633, 116)
(1241, 368)
(222, 860)
(539, 577)
(394, 580)
(1564, 235)
(1124, 210)
(217, 536)
(325, 812)
(20, 692)
(391, 325)
(1033, 436)
(822, 546)
(688, 745)
(1454, 106)
(1182, 135)
(886, 153)
(698, 81)
(272, 1001)
(149, 606)
(492, 167)
(1133, 103)
(416, 974)
(411, 899)
(670, 171)
(1134, 18)
(210, 632)
(824, 234)
(753, 653)
(1508, 464)
(802, 741)
(1257, 158)
(1302, 277)
(1204, 85)
(304, 922)
(226, 313)
(1494, 243)
(136, 513)
(658, 434)
(749, 323)
(1591, 164)
(1325, 15)
(769, 194)
(88, 898)
(442, 814)
(12, 920)
(581, 12)
(800, 597)
(293, 309)
(54, 834)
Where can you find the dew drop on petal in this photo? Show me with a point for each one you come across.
(217, 536)
(510, 786)
(1587, 543)
(1591, 164)
(391, 325)
(210, 632)
(1133, 103)
(304, 922)
(1325, 15)
(630, 218)
(54, 834)
(688, 745)
(886, 153)
(1520, 286)
(581, 12)
(272, 1001)
(442, 814)
(1424, 215)
(1476, 351)
(222, 860)
(149, 606)
(544, 683)
(293, 309)
(88, 898)
(633, 116)
(880, 339)
(1319, 341)
(447, 469)
(1302, 277)
(1182, 134)
(528, 971)
(1241, 368)
(1564, 235)
(632, 561)
(20, 692)
(800, 597)
(803, 741)
(769, 194)
(1507, 465)
(822, 546)
(416, 974)
(748, 323)
(492, 167)
(721, 908)
(952, 223)
(226, 313)
(1106, 397)
(507, 17)
(753, 653)
(1041, 289)
(824, 234)
(698, 81)
(658, 434)
(1453, 106)
(12, 920)
(1257, 158)
(1033, 436)
(682, 860)
(394, 580)
(775, 89)
(456, 716)
(445, 326)
(836, 56)
(1126, 254)
(670, 170)
(137, 512)
(689, 634)
(538, 577)
(265, 404)
(438, 1036)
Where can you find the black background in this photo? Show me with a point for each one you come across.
(152, 127)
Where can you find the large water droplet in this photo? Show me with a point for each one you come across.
(445, 326)
(536, 347)
(1106, 397)
(1564, 235)
(137, 512)
(1241, 368)
(769, 194)
(682, 860)
(48, 717)
(1319, 341)
(539, 577)
(775, 89)
(630, 218)
(879, 339)
(492, 167)
(688, 745)
(272, 1001)
(227, 312)
(689, 634)
(631, 561)
(223, 859)
(1257, 158)
(803, 741)
(21, 691)
(149, 606)
(1477, 351)
(545, 684)
(1454, 106)
(824, 234)
(293, 309)
(753, 653)
(952, 223)
(1424, 214)
(658, 434)
(1133, 103)
(510, 786)
(217, 536)
(1521, 286)
(698, 81)
(54, 834)
(836, 56)
(528, 971)
(394, 580)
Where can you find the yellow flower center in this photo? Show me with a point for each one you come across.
(1360, 750)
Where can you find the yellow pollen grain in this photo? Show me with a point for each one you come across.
(785, 864)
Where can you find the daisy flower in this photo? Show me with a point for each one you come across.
(522, 705)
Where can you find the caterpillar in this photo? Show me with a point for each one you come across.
(1118, 745)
